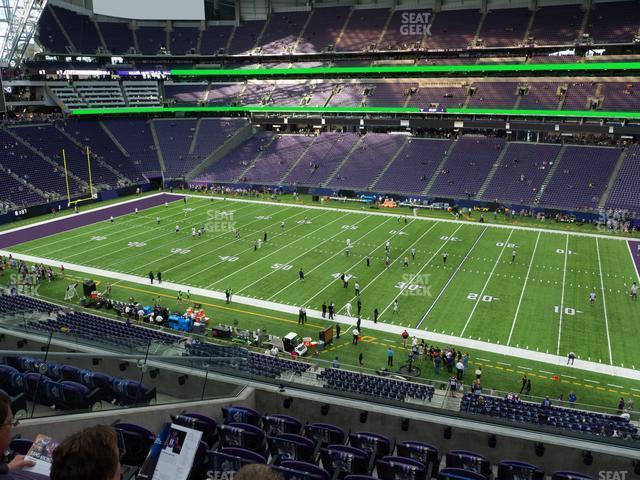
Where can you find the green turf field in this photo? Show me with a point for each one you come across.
(538, 301)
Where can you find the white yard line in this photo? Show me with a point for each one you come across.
(384, 328)
(94, 230)
(308, 301)
(446, 285)
(235, 272)
(339, 252)
(206, 240)
(419, 271)
(148, 232)
(604, 302)
(564, 276)
(306, 252)
(524, 288)
(484, 288)
(97, 209)
(206, 254)
(428, 219)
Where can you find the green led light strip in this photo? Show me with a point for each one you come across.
(357, 110)
(410, 70)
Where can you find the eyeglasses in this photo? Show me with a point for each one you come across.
(14, 423)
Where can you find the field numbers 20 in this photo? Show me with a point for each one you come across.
(561, 251)
(508, 245)
(484, 298)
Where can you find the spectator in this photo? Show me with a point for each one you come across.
(459, 370)
(256, 471)
(405, 336)
(478, 373)
(389, 357)
(13, 469)
(90, 453)
(572, 399)
(620, 406)
(335, 363)
(546, 403)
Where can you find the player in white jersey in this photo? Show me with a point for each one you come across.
(348, 242)
(634, 291)
(177, 228)
(111, 218)
(158, 220)
(592, 297)
(347, 307)
(136, 210)
(387, 246)
(193, 232)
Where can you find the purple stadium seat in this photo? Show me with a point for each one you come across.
(470, 461)
(278, 423)
(459, 474)
(343, 460)
(423, 452)
(515, 470)
(137, 442)
(290, 446)
(399, 468)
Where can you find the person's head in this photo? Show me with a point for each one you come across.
(6, 421)
(90, 453)
(257, 471)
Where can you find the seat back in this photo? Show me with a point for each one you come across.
(427, 454)
(377, 445)
(289, 446)
(237, 414)
(400, 468)
(471, 461)
(325, 434)
(514, 470)
(275, 424)
(459, 474)
(342, 460)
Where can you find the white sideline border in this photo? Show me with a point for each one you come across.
(395, 215)
(547, 358)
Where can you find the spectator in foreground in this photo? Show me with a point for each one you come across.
(91, 453)
(257, 471)
(14, 469)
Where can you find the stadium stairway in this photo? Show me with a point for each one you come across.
(114, 140)
(254, 160)
(22, 181)
(552, 170)
(492, 172)
(156, 144)
(389, 163)
(297, 161)
(439, 169)
(96, 158)
(45, 157)
(343, 161)
(241, 136)
(612, 179)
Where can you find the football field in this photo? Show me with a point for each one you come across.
(500, 285)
